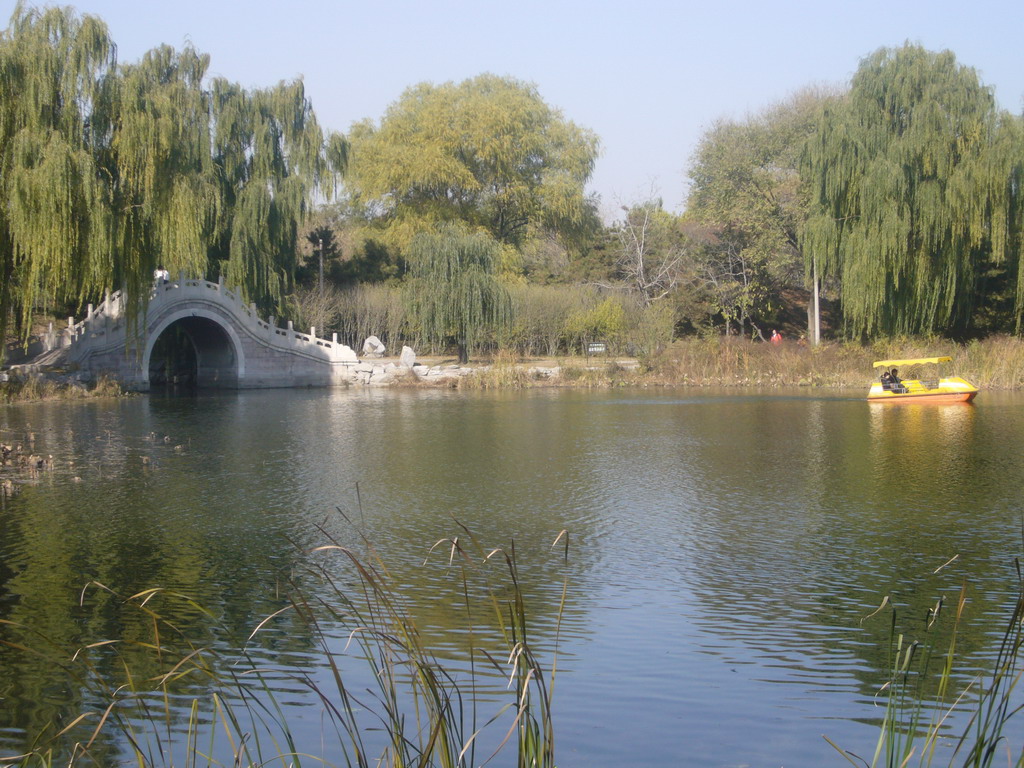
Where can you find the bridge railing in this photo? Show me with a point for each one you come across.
(99, 322)
(105, 326)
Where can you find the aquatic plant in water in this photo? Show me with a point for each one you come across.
(166, 699)
(917, 715)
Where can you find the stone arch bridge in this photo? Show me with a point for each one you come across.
(225, 344)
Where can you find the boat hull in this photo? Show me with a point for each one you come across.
(927, 397)
(948, 390)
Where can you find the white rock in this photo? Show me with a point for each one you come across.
(373, 347)
(408, 357)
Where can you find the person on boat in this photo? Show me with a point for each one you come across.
(886, 380)
(896, 383)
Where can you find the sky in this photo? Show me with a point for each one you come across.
(648, 77)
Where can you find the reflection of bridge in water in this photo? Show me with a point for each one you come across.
(201, 333)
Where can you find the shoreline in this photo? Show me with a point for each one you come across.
(996, 363)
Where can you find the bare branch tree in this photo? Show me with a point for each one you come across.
(651, 251)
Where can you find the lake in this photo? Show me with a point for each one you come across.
(726, 547)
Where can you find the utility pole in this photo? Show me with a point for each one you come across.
(817, 305)
(320, 240)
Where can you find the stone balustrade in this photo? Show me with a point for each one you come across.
(257, 352)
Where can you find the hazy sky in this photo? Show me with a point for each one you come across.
(648, 77)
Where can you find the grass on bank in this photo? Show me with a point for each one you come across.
(993, 363)
(164, 700)
(33, 387)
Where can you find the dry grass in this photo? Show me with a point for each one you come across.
(995, 363)
(35, 388)
(506, 371)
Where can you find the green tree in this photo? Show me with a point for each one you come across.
(487, 152)
(55, 217)
(164, 192)
(1001, 279)
(272, 158)
(107, 171)
(604, 322)
(746, 190)
(909, 195)
(321, 240)
(731, 281)
(454, 294)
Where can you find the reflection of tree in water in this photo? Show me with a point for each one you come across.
(763, 533)
(59, 538)
(454, 598)
(55, 612)
(799, 544)
(133, 507)
(129, 525)
(502, 476)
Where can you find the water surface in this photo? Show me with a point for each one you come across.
(725, 546)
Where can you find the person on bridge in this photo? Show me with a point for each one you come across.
(161, 275)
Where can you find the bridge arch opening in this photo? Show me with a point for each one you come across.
(193, 351)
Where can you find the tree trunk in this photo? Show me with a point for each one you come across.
(816, 336)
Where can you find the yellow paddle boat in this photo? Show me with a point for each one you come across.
(892, 389)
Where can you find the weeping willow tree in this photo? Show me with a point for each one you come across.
(910, 196)
(453, 292)
(56, 216)
(270, 154)
(164, 187)
(108, 170)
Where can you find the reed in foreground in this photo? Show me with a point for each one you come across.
(917, 715)
(383, 697)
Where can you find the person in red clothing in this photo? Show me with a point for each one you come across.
(776, 337)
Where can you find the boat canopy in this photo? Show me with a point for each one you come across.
(915, 361)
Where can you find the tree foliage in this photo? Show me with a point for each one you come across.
(55, 221)
(750, 206)
(912, 192)
(454, 294)
(270, 153)
(651, 251)
(487, 152)
(164, 195)
(603, 322)
(108, 170)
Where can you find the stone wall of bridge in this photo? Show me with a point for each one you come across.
(234, 347)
